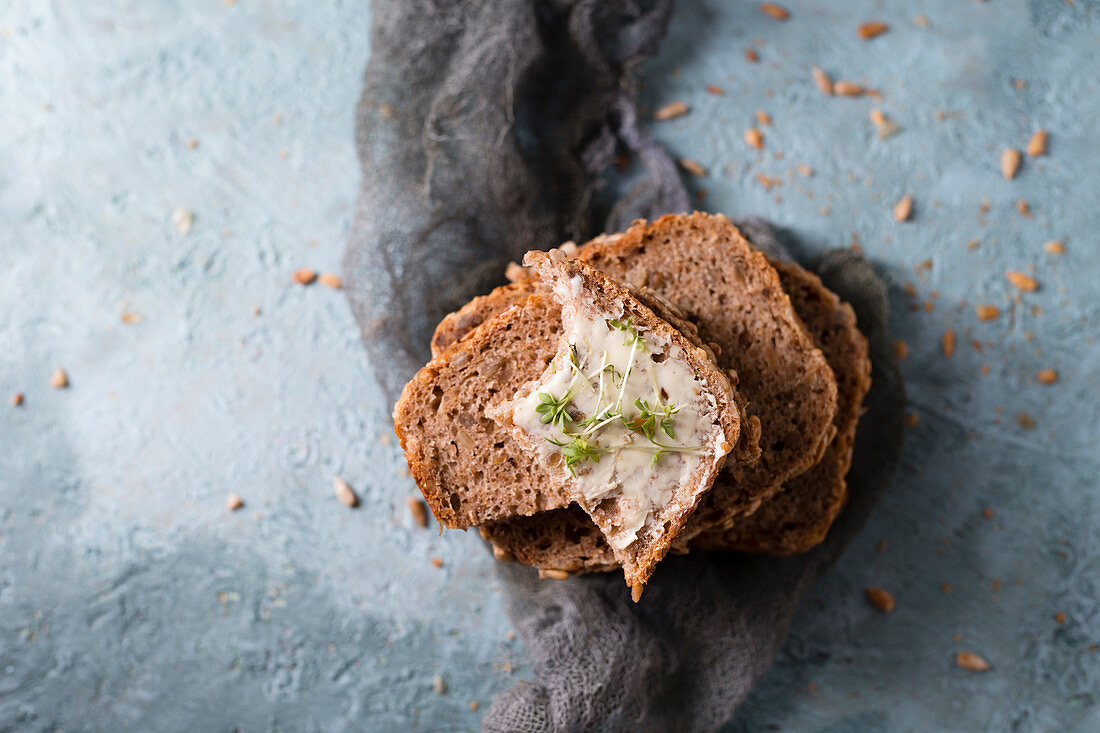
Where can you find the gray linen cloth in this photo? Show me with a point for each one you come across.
(487, 129)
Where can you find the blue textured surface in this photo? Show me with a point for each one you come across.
(129, 598)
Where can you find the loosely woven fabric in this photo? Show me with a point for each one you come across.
(487, 129)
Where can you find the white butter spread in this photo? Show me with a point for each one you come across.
(621, 411)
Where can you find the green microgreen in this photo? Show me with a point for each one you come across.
(627, 327)
(554, 409)
(577, 451)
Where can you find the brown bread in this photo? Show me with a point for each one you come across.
(798, 517)
(592, 296)
(466, 469)
(792, 521)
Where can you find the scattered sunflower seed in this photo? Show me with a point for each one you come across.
(775, 11)
(344, 493)
(1022, 281)
(1010, 163)
(59, 379)
(1037, 145)
(903, 209)
(671, 111)
(972, 662)
(183, 220)
(867, 31)
(305, 276)
(824, 83)
(1047, 376)
(881, 599)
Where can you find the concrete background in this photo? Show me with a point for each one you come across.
(130, 599)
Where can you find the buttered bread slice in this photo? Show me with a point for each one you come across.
(632, 420)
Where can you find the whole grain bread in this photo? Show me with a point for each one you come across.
(794, 520)
(704, 266)
(588, 294)
(466, 464)
(799, 516)
(466, 469)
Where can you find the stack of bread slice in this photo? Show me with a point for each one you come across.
(658, 390)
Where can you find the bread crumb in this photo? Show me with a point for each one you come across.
(984, 370)
(901, 349)
(824, 83)
(1054, 247)
(945, 588)
(867, 31)
(671, 111)
(775, 11)
(751, 55)
(438, 685)
(344, 492)
(848, 89)
(59, 379)
(553, 574)
(921, 20)
(474, 705)
(881, 546)
(129, 317)
(973, 244)
(881, 599)
(972, 662)
(192, 143)
(763, 117)
(754, 138)
(903, 209)
(692, 167)
(805, 171)
(1047, 376)
(183, 220)
(715, 90)
(1024, 208)
(912, 419)
(419, 511)
(1022, 281)
(1059, 618)
(437, 562)
(510, 635)
(233, 502)
(948, 343)
(17, 399)
(305, 276)
(331, 280)
(812, 686)
(1037, 145)
(987, 312)
(988, 512)
(1010, 163)
(1026, 421)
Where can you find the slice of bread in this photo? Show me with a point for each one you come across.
(704, 266)
(636, 454)
(798, 517)
(465, 463)
(795, 519)
(483, 354)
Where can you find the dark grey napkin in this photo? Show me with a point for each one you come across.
(488, 129)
